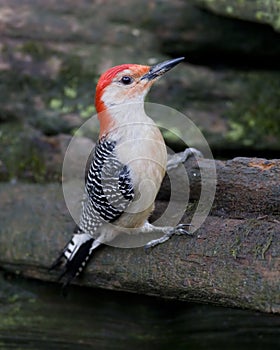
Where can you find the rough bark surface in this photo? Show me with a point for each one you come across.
(233, 259)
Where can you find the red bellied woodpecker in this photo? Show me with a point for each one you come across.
(126, 168)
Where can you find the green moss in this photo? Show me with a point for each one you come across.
(31, 96)
(35, 49)
(70, 92)
(68, 87)
(19, 153)
(255, 117)
(235, 247)
(55, 103)
(34, 163)
(229, 9)
(87, 112)
(266, 246)
(262, 247)
(75, 94)
(265, 11)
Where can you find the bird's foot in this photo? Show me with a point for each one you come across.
(181, 157)
(169, 232)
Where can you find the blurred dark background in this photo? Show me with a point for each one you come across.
(52, 53)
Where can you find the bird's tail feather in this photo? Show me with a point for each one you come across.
(75, 256)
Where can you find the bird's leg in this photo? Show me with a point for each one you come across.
(167, 230)
(181, 157)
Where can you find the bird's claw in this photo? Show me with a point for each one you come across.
(177, 230)
(178, 158)
(181, 229)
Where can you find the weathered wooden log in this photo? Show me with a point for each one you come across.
(246, 187)
(233, 259)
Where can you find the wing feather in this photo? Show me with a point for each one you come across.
(109, 187)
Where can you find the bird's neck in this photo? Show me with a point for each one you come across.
(123, 119)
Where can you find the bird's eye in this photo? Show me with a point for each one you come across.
(126, 80)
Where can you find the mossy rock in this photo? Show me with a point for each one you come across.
(41, 86)
(49, 73)
(29, 155)
(261, 11)
(254, 119)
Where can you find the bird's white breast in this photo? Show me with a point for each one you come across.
(141, 147)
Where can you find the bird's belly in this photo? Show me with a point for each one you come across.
(146, 157)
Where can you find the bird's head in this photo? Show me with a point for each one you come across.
(128, 83)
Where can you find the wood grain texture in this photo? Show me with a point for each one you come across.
(232, 260)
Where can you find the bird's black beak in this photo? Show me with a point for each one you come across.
(161, 68)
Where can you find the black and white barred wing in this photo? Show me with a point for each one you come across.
(109, 188)
(108, 191)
